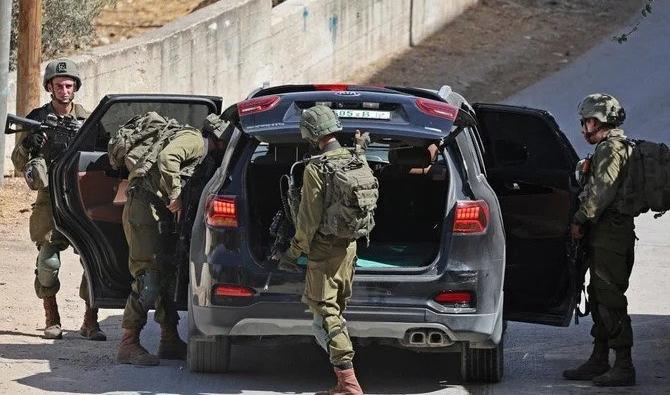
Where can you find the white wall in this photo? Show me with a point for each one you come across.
(233, 46)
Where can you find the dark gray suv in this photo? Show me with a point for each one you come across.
(466, 238)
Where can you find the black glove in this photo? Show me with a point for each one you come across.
(34, 141)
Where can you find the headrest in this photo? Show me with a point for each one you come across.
(410, 156)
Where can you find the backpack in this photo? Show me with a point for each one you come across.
(351, 194)
(139, 141)
(646, 185)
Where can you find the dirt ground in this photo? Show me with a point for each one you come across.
(502, 46)
(129, 18)
(494, 50)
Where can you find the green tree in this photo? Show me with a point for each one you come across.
(67, 25)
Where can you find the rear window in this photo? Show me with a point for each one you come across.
(119, 113)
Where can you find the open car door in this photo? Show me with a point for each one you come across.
(530, 164)
(88, 195)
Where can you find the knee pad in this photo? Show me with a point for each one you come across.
(149, 289)
(48, 264)
(320, 334)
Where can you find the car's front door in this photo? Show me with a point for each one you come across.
(530, 165)
(88, 195)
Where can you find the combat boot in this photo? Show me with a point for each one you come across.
(131, 352)
(597, 364)
(52, 329)
(347, 384)
(90, 329)
(622, 374)
(171, 346)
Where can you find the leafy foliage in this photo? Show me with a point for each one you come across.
(646, 11)
(67, 25)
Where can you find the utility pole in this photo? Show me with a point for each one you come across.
(5, 33)
(29, 57)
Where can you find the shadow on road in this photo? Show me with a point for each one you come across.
(535, 356)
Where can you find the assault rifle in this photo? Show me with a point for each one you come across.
(282, 228)
(579, 267)
(59, 131)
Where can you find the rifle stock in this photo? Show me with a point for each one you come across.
(14, 121)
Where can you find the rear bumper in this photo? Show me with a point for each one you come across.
(290, 319)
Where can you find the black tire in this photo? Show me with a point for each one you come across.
(483, 365)
(209, 355)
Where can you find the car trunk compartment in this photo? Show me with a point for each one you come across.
(409, 214)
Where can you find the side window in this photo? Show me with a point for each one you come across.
(519, 140)
(119, 113)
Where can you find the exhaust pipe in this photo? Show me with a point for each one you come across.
(435, 338)
(428, 337)
(417, 338)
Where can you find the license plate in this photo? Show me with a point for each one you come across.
(366, 114)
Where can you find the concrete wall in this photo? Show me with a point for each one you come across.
(233, 46)
(429, 16)
(325, 40)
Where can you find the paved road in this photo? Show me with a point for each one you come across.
(535, 355)
(636, 72)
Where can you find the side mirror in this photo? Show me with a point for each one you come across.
(510, 153)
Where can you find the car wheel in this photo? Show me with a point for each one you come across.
(483, 365)
(208, 355)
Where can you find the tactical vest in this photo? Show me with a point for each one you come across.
(646, 185)
(138, 143)
(351, 192)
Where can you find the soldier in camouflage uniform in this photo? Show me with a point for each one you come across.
(610, 241)
(149, 217)
(61, 80)
(330, 267)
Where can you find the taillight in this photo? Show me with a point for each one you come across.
(234, 291)
(458, 298)
(472, 216)
(222, 211)
(331, 87)
(437, 109)
(258, 104)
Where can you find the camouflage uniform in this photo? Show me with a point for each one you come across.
(144, 210)
(42, 231)
(330, 267)
(610, 242)
(144, 214)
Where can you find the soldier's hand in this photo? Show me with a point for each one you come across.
(34, 141)
(576, 231)
(362, 139)
(175, 205)
(286, 264)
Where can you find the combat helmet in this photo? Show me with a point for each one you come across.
(62, 68)
(318, 121)
(603, 107)
(214, 126)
